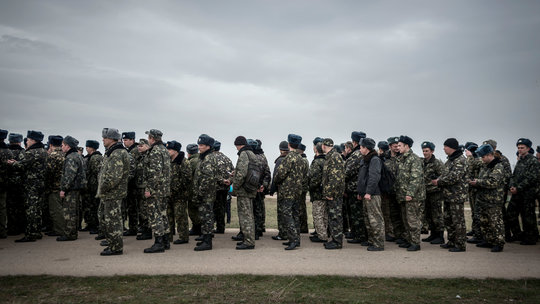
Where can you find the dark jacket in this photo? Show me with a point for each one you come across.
(369, 175)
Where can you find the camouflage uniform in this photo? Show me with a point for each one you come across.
(259, 209)
(288, 179)
(180, 181)
(454, 183)
(193, 203)
(112, 189)
(157, 173)
(131, 208)
(205, 182)
(244, 197)
(93, 165)
(410, 182)
(489, 198)
(225, 168)
(474, 164)
(524, 179)
(433, 168)
(333, 186)
(140, 182)
(398, 227)
(15, 200)
(53, 178)
(320, 217)
(356, 217)
(5, 155)
(302, 208)
(508, 174)
(282, 231)
(73, 181)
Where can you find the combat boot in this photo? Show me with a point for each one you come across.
(497, 248)
(145, 235)
(206, 243)
(238, 237)
(157, 247)
(166, 242)
(430, 238)
(195, 230)
(439, 239)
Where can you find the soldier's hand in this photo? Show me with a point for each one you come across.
(408, 198)
(227, 182)
(472, 182)
(11, 161)
(435, 182)
(367, 197)
(329, 198)
(147, 194)
(513, 190)
(62, 194)
(359, 197)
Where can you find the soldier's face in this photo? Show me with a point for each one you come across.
(203, 148)
(486, 159)
(427, 153)
(448, 150)
(107, 142)
(151, 140)
(364, 150)
(90, 150)
(142, 148)
(538, 156)
(402, 148)
(522, 150)
(394, 148)
(65, 147)
(128, 142)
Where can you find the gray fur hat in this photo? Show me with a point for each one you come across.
(111, 133)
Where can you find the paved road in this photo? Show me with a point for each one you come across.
(81, 258)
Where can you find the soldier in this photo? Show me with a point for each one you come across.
(489, 198)
(146, 232)
(193, 204)
(205, 182)
(410, 192)
(53, 180)
(352, 202)
(157, 174)
(433, 168)
(94, 159)
(288, 179)
(112, 189)
(245, 189)
(180, 181)
(33, 163)
(320, 217)
(131, 210)
(474, 164)
(391, 162)
(454, 182)
(333, 188)
(523, 188)
(369, 192)
(73, 181)
(5, 155)
(385, 206)
(16, 223)
(302, 210)
(259, 209)
(225, 168)
(282, 231)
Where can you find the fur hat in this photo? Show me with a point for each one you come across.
(367, 143)
(383, 145)
(192, 149)
(357, 136)
(92, 144)
(484, 150)
(55, 140)
(174, 145)
(294, 140)
(524, 141)
(240, 141)
(217, 145)
(35, 135)
(71, 141)
(429, 145)
(111, 133)
(205, 139)
(317, 140)
(284, 146)
(15, 138)
(406, 140)
(302, 147)
(154, 133)
(128, 135)
(252, 143)
(3, 134)
(392, 140)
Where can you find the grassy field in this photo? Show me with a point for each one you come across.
(262, 289)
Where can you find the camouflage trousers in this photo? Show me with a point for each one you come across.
(131, 210)
(90, 205)
(3, 214)
(219, 209)
(193, 211)
(434, 211)
(454, 220)
(143, 210)
(56, 212)
(412, 220)
(396, 217)
(259, 211)
(475, 215)
(357, 218)
(157, 215)
(33, 213)
(335, 219)
(70, 203)
(16, 213)
(523, 205)
(245, 217)
(385, 206)
(491, 223)
(374, 221)
(178, 218)
(302, 214)
(280, 221)
(290, 218)
(320, 219)
(348, 214)
(206, 214)
(111, 222)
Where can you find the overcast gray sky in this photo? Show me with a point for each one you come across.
(264, 69)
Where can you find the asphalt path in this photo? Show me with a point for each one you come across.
(81, 258)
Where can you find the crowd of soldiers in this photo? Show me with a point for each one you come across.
(365, 192)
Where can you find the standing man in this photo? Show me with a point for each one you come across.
(73, 181)
(180, 181)
(131, 210)
(225, 168)
(474, 164)
(94, 159)
(259, 206)
(352, 201)
(140, 181)
(391, 162)
(53, 180)
(158, 187)
(454, 182)
(433, 168)
(193, 204)
(410, 192)
(333, 187)
(282, 231)
(5, 155)
(15, 194)
(302, 209)
(112, 189)
(320, 217)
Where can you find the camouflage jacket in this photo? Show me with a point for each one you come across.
(433, 168)
(55, 167)
(33, 162)
(139, 170)
(157, 171)
(225, 168)
(266, 177)
(454, 180)
(134, 156)
(474, 164)
(180, 178)
(193, 161)
(352, 167)
(273, 185)
(507, 168)
(206, 175)
(93, 165)
(315, 178)
(490, 184)
(410, 177)
(15, 173)
(245, 156)
(525, 177)
(114, 174)
(333, 176)
(73, 175)
(391, 162)
(289, 176)
(5, 155)
(305, 172)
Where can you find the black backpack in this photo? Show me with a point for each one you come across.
(252, 182)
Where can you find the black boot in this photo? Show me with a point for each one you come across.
(157, 247)
(238, 237)
(430, 238)
(166, 242)
(439, 238)
(195, 230)
(145, 235)
(206, 243)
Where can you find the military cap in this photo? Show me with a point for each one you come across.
(55, 140)
(174, 145)
(524, 141)
(128, 135)
(294, 140)
(217, 145)
(471, 146)
(342, 147)
(392, 140)
(491, 142)
(357, 136)
(406, 140)
(383, 145)
(317, 140)
(452, 143)
(3, 134)
(252, 143)
(484, 150)
(284, 146)
(537, 149)
(94, 144)
(328, 142)
(192, 149)
(143, 141)
(15, 138)
(429, 145)
(111, 133)
(259, 143)
(367, 143)
(154, 133)
(338, 148)
(71, 141)
(240, 141)
(205, 139)
(302, 147)
(35, 135)
(531, 150)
